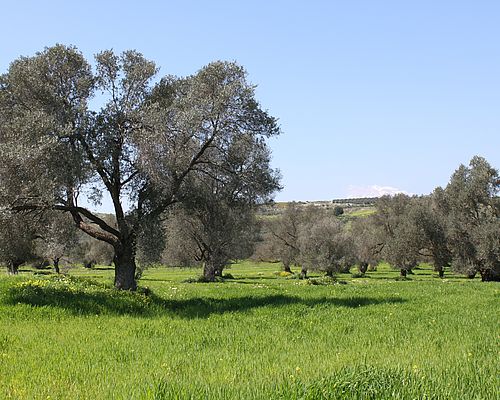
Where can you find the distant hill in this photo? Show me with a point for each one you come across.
(355, 207)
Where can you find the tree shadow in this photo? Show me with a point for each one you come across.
(113, 302)
(253, 278)
(204, 307)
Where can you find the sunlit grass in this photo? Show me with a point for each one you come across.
(259, 336)
(363, 212)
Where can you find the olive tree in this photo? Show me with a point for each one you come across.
(58, 237)
(325, 245)
(470, 203)
(219, 215)
(366, 237)
(17, 240)
(401, 239)
(142, 147)
(212, 237)
(431, 225)
(284, 231)
(284, 234)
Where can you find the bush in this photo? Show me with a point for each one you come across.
(203, 279)
(337, 211)
(284, 274)
(325, 280)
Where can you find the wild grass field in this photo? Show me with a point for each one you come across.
(257, 336)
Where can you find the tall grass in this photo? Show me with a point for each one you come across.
(258, 336)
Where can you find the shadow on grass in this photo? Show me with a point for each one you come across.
(204, 307)
(109, 301)
(253, 278)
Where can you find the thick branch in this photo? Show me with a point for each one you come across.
(107, 233)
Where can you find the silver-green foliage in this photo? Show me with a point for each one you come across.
(147, 143)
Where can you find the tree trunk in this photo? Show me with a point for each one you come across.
(489, 275)
(124, 261)
(209, 271)
(345, 269)
(13, 267)
(303, 273)
(471, 274)
(403, 272)
(363, 267)
(440, 271)
(55, 262)
(329, 273)
(286, 268)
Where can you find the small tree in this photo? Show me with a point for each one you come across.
(17, 240)
(326, 246)
(58, 237)
(431, 225)
(401, 239)
(367, 242)
(338, 211)
(211, 229)
(284, 234)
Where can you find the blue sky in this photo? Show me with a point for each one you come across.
(371, 95)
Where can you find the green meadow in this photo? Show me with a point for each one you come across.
(257, 335)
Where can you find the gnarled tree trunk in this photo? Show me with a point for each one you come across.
(286, 268)
(124, 261)
(209, 271)
(489, 275)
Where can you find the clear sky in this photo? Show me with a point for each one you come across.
(371, 95)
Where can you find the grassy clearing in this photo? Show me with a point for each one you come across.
(362, 212)
(258, 336)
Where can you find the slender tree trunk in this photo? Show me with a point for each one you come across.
(329, 273)
(13, 267)
(124, 261)
(440, 271)
(403, 272)
(303, 272)
(55, 262)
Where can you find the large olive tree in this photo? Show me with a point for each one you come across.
(142, 147)
(472, 208)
